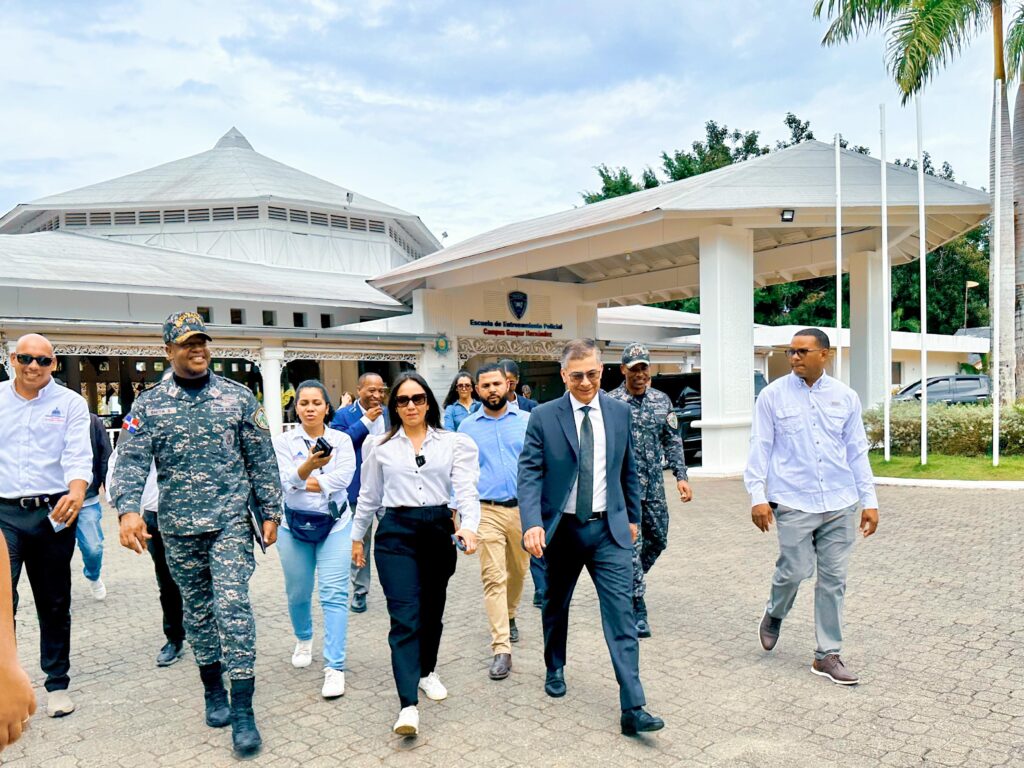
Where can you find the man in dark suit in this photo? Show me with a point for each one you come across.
(579, 500)
(366, 416)
(522, 402)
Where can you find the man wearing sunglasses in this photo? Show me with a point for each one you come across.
(45, 469)
(808, 472)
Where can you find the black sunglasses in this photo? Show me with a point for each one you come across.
(43, 360)
(403, 400)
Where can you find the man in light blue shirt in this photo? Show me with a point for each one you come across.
(809, 465)
(499, 429)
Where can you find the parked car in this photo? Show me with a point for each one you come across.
(960, 389)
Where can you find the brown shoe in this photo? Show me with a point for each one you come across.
(833, 668)
(768, 631)
(500, 667)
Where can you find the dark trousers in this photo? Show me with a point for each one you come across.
(573, 547)
(415, 557)
(46, 556)
(170, 595)
(538, 570)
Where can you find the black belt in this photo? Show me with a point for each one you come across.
(34, 502)
(593, 516)
(505, 503)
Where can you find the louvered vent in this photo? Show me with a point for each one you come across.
(199, 214)
(149, 217)
(248, 212)
(99, 219)
(124, 217)
(174, 217)
(339, 222)
(75, 220)
(277, 214)
(376, 226)
(299, 216)
(223, 214)
(357, 224)
(320, 219)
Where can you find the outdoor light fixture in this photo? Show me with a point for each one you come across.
(788, 216)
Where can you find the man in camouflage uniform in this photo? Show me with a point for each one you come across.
(655, 440)
(210, 441)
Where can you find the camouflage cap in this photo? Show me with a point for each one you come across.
(635, 354)
(182, 326)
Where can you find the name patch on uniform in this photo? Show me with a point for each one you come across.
(224, 407)
(163, 411)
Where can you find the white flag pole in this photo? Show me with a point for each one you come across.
(887, 295)
(996, 256)
(839, 263)
(922, 232)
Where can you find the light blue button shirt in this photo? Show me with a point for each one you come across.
(808, 449)
(500, 441)
(44, 442)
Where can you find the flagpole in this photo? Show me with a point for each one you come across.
(922, 232)
(887, 295)
(839, 263)
(996, 258)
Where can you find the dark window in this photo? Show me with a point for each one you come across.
(968, 385)
(940, 387)
(325, 320)
(269, 317)
(237, 316)
(299, 319)
(205, 313)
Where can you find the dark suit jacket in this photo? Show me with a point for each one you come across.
(525, 404)
(548, 467)
(349, 421)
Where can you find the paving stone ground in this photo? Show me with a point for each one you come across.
(934, 625)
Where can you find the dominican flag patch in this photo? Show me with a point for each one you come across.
(131, 424)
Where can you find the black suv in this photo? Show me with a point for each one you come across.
(960, 389)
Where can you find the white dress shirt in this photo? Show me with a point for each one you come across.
(600, 455)
(44, 442)
(292, 449)
(391, 478)
(150, 493)
(375, 427)
(808, 449)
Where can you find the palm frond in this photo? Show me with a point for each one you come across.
(1015, 45)
(852, 18)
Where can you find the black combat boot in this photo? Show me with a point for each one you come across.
(218, 713)
(244, 736)
(643, 626)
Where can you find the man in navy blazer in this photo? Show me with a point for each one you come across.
(579, 501)
(366, 416)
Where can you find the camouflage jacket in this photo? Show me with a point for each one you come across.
(210, 448)
(655, 440)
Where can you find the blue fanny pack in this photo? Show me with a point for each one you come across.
(313, 527)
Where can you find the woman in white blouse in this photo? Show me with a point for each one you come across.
(413, 473)
(314, 537)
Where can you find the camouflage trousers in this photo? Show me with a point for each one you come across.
(212, 571)
(651, 541)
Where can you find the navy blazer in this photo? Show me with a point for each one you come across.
(526, 405)
(349, 421)
(548, 467)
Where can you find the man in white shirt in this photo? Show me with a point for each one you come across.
(45, 469)
(809, 466)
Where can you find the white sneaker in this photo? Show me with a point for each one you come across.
(408, 722)
(58, 704)
(334, 683)
(303, 654)
(99, 591)
(431, 685)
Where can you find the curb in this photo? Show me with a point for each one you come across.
(971, 485)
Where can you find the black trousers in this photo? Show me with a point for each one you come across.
(415, 558)
(170, 595)
(573, 547)
(46, 557)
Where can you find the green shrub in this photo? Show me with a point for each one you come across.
(956, 430)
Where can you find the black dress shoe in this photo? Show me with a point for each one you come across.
(554, 683)
(513, 631)
(634, 721)
(643, 627)
(169, 654)
(500, 667)
(538, 599)
(358, 604)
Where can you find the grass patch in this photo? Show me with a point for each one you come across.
(942, 467)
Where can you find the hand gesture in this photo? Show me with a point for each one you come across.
(374, 413)
(761, 514)
(358, 558)
(133, 533)
(685, 491)
(868, 522)
(534, 539)
(316, 460)
(468, 538)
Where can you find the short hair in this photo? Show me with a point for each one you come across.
(363, 377)
(489, 368)
(510, 367)
(578, 349)
(818, 334)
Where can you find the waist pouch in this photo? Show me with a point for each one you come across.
(312, 527)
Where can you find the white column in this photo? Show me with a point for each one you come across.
(271, 359)
(726, 347)
(869, 321)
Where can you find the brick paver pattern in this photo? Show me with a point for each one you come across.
(934, 626)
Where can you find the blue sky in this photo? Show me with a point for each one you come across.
(470, 114)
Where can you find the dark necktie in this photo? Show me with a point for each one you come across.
(585, 478)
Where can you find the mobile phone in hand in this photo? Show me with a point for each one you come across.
(458, 542)
(323, 447)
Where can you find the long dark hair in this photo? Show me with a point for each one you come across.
(433, 417)
(453, 392)
(316, 384)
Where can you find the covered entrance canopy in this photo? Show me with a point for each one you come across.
(717, 236)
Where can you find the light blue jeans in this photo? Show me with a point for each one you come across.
(90, 540)
(809, 541)
(329, 561)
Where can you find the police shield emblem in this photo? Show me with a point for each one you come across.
(517, 301)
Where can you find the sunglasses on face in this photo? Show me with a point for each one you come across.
(43, 360)
(800, 353)
(463, 386)
(576, 377)
(403, 401)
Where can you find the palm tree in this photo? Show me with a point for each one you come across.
(923, 35)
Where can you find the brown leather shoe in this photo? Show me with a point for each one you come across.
(768, 631)
(500, 667)
(833, 668)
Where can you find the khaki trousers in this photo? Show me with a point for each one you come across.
(503, 565)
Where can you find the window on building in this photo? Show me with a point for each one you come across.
(269, 317)
(299, 319)
(325, 320)
(897, 374)
(237, 316)
(205, 313)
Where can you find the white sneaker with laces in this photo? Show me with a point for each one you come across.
(432, 687)
(303, 654)
(99, 590)
(59, 704)
(334, 683)
(408, 722)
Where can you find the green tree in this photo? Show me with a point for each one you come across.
(617, 182)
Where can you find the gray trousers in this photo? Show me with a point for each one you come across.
(808, 540)
(361, 576)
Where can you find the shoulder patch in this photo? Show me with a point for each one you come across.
(259, 418)
(673, 420)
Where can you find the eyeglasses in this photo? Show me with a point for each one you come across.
(43, 360)
(463, 386)
(576, 377)
(801, 353)
(403, 401)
